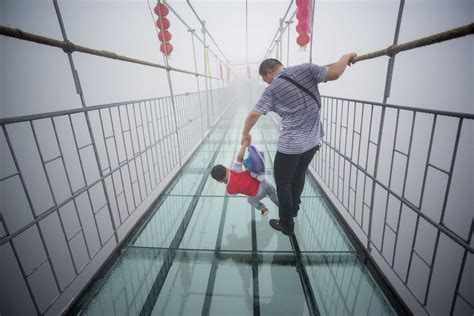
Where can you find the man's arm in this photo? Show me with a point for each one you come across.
(250, 121)
(337, 69)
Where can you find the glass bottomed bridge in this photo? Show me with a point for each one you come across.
(200, 250)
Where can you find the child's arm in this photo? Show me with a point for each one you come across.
(240, 155)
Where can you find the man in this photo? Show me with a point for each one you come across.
(293, 94)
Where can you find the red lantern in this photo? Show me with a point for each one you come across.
(302, 13)
(302, 27)
(165, 21)
(166, 34)
(304, 21)
(169, 48)
(161, 9)
(303, 39)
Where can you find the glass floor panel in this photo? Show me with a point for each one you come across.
(202, 251)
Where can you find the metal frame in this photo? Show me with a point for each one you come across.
(152, 130)
(335, 178)
(333, 260)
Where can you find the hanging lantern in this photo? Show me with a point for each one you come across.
(166, 23)
(302, 13)
(303, 39)
(164, 36)
(304, 21)
(169, 48)
(161, 10)
(163, 24)
(302, 28)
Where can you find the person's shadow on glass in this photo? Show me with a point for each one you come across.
(280, 291)
(280, 288)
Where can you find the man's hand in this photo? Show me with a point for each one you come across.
(337, 69)
(351, 57)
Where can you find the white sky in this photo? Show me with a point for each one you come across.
(36, 78)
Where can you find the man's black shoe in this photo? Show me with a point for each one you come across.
(275, 224)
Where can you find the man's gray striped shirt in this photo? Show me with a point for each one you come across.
(301, 127)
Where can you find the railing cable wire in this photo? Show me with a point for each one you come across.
(70, 47)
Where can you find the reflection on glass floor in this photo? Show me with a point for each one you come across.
(204, 252)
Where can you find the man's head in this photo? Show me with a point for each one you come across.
(269, 68)
(219, 173)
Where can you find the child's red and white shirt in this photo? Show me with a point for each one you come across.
(240, 181)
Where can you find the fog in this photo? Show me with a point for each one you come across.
(36, 79)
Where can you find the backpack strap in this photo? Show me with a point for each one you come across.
(301, 88)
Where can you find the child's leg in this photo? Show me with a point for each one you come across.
(255, 202)
(271, 191)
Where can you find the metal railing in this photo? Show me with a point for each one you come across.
(411, 222)
(53, 194)
(74, 183)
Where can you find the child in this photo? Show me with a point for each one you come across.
(240, 181)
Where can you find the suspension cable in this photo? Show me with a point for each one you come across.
(205, 29)
(424, 41)
(68, 46)
(276, 34)
(190, 29)
(246, 31)
(283, 30)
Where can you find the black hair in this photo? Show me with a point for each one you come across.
(218, 172)
(268, 64)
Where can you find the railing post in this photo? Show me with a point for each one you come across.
(86, 115)
(170, 84)
(311, 38)
(206, 72)
(197, 81)
(388, 83)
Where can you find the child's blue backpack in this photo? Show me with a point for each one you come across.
(255, 163)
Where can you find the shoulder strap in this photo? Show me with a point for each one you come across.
(301, 88)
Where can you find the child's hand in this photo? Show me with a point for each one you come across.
(246, 143)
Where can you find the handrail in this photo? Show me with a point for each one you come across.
(469, 116)
(424, 41)
(24, 118)
(70, 47)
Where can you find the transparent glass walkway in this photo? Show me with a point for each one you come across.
(200, 251)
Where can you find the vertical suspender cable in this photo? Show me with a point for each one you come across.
(86, 114)
(382, 118)
(312, 29)
(246, 33)
(288, 44)
(168, 76)
(197, 82)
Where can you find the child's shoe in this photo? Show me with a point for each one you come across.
(265, 211)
